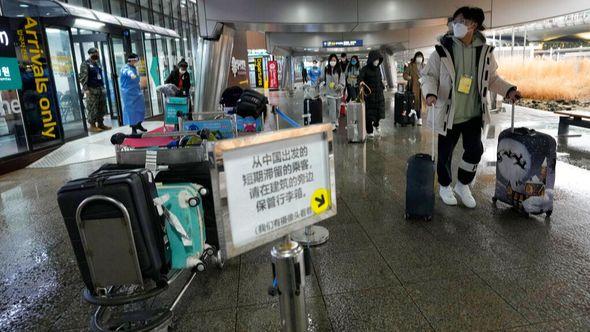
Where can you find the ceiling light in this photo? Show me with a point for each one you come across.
(584, 35)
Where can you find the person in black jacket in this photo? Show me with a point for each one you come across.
(181, 78)
(375, 101)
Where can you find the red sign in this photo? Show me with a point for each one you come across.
(273, 75)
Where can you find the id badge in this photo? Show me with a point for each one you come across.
(465, 84)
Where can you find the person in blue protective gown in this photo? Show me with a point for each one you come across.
(314, 73)
(133, 102)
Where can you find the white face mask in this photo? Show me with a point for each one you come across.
(333, 63)
(182, 71)
(419, 59)
(376, 63)
(459, 30)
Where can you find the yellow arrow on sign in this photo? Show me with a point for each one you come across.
(320, 201)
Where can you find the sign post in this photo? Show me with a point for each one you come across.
(266, 187)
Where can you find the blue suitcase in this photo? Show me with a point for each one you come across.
(182, 203)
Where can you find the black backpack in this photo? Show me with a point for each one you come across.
(230, 96)
(251, 103)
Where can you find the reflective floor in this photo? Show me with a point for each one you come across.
(483, 269)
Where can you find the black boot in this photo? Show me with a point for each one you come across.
(133, 129)
(140, 127)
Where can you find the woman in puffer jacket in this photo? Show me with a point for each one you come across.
(335, 81)
(375, 101)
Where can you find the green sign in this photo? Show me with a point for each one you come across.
(10, 74)
(154, 71)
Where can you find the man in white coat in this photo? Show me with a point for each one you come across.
(456, 81)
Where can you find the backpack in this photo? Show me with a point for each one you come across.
(230, 96)
(251, 103)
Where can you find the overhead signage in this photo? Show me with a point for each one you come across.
(258, 72)
(274, 184)
(342, 43)
(10, 78)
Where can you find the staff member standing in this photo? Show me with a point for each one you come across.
(94, 90)
(133, 104)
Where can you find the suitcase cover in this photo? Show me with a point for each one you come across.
(356, 123)
(525, 170)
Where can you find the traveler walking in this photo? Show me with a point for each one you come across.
(352, 72)
(335, 84)
(303, 73)
(344, 62)
(412, 75)
(374, 102)
(456, 81)
(181, 78)
(314, 73)
(94, 90)
(133, 103)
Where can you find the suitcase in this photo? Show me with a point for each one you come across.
(420, 185)
(312, 111)
(101, 241)
(185, 223)
(193, 173)
(356, 122)
(402, 108)
(525, 169)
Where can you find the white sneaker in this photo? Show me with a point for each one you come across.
(371, 136)
(419, 122)
(447, 196)
(464, 193)
(377, 131)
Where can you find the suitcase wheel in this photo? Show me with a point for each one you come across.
(194, 201)
(200, 267)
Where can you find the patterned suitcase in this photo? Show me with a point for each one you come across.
(184, 223)
(525, 169)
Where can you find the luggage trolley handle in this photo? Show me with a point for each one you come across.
(512, 117)
(126, 217)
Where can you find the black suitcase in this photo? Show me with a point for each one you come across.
(135, 190)
(312, 111)
(420, 187)
(402, 107)
(251, 103)
(194, 173)
(525, 169)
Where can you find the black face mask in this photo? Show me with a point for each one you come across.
(94, 57)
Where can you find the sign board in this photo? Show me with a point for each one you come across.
(258, 71)
(342, 43)
(267, 186)
(273, 75)
(10, 78)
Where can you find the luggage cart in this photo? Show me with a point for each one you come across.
(105, 318)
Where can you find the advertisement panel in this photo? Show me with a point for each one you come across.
(273, 75)
(258, 72)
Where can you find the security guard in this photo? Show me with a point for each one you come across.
(94, 90)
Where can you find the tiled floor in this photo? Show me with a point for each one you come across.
(483, 269)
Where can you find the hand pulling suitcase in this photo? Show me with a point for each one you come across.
(312, 111)
(98, 244)
(184, 223)
(525, 169)
(420, 185)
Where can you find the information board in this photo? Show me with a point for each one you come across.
(274, 184)
(342, 43)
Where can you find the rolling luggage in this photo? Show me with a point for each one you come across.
(420, 185)
(525, 169)
(402, 108)
(312, 111)
(356, 119)
(185, 223)
(119, 238)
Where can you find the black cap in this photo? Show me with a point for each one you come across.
(182, 63)
(132, 56)
(342, 55)
(92, 50)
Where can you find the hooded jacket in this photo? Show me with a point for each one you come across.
(438, 79)
(371, 76)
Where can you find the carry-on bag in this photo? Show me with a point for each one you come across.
(402, 108)
(356, 119)
(251, 103)
(525, 169)
(103, 214)
(184, 223)
(312, 111)
(230, 96)
(420, 184)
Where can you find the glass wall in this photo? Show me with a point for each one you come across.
(62, 65)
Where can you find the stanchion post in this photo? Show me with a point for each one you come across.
(289, 283)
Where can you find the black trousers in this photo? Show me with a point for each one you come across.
(471, 133)
(352, 92)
